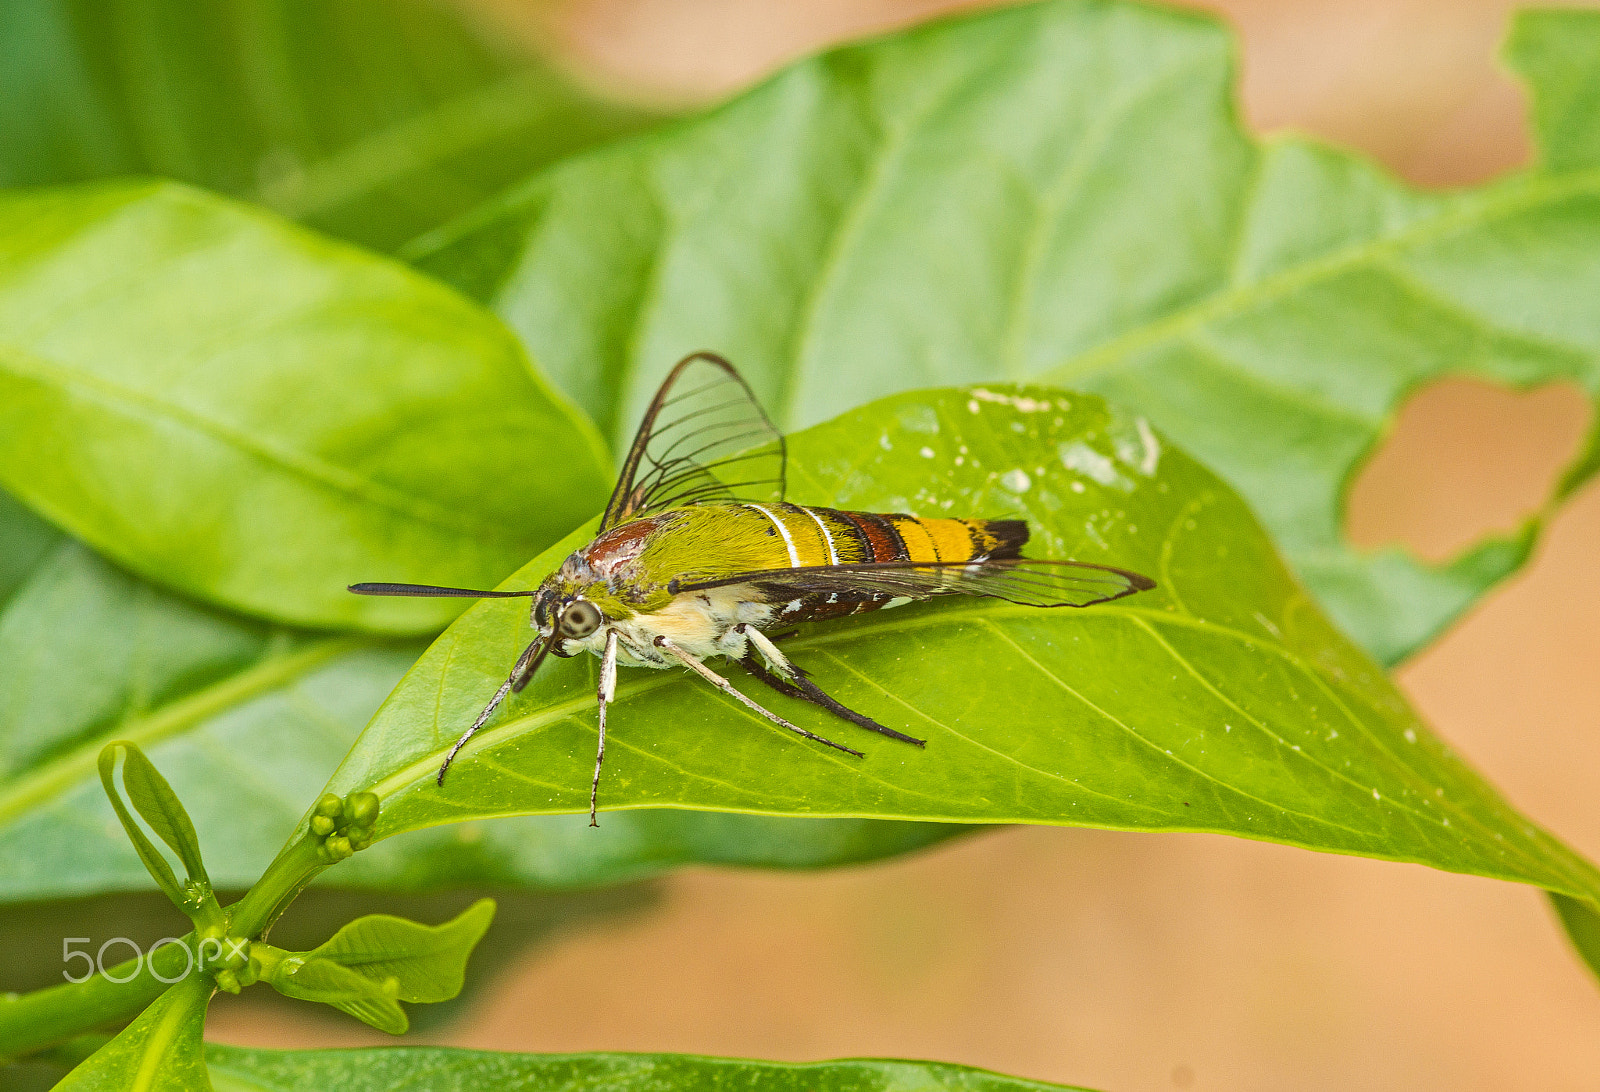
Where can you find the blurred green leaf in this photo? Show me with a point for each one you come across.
(375, 961)
(161, 1051)
(370, 119)
(1221, 701)
(238, 1069)
(44, 1070)
(1064, 191)
(1581, 920)
(247, 718)
(257, 416)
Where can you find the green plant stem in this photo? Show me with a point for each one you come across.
(295, 866)
(45, 1018)
(51, 1016)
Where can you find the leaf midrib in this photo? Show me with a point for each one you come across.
(406, 147)
(167, 1028)
(1517, 195)
(304, 466)
(71, 767)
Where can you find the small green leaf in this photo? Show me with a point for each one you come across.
(370, 119)
(157, 804)
(995, 197)
(374, 961)
(240, 1069)
(426, 961)
(161, 1051)
(259, 416)
(1221, 701)
(329, 983)
(153, 805)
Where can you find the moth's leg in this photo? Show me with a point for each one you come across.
(605, 693)
(521, 667)
(797, 685)
(522, 674)
(693, 664)
(753, 665)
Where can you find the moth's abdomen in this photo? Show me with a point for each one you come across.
(807, 536)
(899, 537)
(828, 536)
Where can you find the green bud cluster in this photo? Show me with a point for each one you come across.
(226, 959)
(235, 979)
(343, 825)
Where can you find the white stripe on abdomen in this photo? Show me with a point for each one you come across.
(788, 542)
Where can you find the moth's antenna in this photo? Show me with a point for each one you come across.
(434, 592)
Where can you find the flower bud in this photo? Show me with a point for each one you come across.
(363, 808)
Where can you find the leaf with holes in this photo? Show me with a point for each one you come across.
(240, 1069)
(247, 718)
(994, 197)
(370, 119)
(1221, 701)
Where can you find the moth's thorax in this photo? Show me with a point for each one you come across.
(618, 548)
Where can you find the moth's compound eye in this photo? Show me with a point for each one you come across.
(580, 619)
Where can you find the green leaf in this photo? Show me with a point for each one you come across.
(370, 119)
(244, 717)
(259, 416)
(562, 852)
(157, 804)
(1581, 921)
(349, 991)
(1556, 51)
(995, 197)
(426, 961)
(247, 719)
(374, 961)
(161, 1051)
(25, 540)
(1221, 701)
(240, 1069)
(152, 797)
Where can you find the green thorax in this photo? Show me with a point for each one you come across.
(627, 570)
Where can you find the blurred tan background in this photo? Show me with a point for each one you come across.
(1150, 962)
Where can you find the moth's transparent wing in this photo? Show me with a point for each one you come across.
(704, 438)
(1034, 583)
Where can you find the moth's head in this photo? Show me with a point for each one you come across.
(571, 608)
